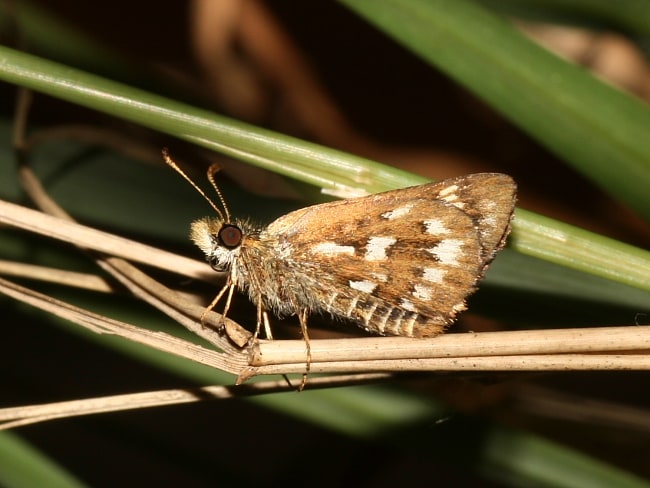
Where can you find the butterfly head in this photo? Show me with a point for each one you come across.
(219, 240)
(218, 237)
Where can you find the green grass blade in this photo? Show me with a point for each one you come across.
(24, 466)
(517, 458)
(629, 16)
(580, 249)
(320, 166)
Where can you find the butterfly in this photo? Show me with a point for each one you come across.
(401, 262)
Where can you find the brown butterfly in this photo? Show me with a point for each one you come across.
(400, 262)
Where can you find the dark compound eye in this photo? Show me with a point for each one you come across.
(230, 236)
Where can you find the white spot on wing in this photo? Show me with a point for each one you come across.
(363, 285)
(333, 249)
(381, 277)
(448, 192)
(434, 275)
(397, 213)
(435, 227)
(422, 292)
(376, 247)
(407, 305)
(448, 251)
(489, 220)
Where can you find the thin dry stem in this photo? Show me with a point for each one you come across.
(104, 242)
(84, 281)
(529, 363)
(20, 416)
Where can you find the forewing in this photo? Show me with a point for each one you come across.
(399, 262)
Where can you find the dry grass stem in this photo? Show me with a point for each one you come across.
(529, 363)
(596, 340)
(20, 416)
(177, 307)
(84, 281)
(604, 348)
(100, 241)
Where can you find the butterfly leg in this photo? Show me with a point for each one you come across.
(267, 325)
(262, 319)
(230, 288)
(302, 316)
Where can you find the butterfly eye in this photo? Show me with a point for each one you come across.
(230, 236)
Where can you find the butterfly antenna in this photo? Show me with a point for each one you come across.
(212, 170)
(170, 162)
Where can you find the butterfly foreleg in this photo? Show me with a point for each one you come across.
(228, 287)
